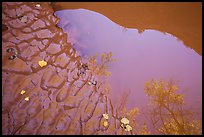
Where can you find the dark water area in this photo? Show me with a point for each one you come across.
(141, 56)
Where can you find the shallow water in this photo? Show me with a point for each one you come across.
(141, 56)
(61, 96)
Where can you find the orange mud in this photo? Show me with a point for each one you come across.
(60, 100)
(181, 19)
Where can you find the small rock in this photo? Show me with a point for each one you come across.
(124, 121)
(12, 57)
(105, 116)
(89, 83)
(24, 19)
(27, 99)
(38, 5)
(9, 50)
(128, 128)
(94, 83)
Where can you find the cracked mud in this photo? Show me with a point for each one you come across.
(59, 101)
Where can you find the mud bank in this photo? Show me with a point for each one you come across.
(54, 98)
(181, 19)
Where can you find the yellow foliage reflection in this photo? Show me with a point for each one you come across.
(101, 68)
(168, 114)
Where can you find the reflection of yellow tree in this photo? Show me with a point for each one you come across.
(122, 112)
(101, 69)
(143, 130)
(131, 115)
(167, 111)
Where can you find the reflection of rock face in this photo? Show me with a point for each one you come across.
(183, 20)
(140, 56)
(51, 99)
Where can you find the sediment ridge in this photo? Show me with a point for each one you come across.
(53, 97)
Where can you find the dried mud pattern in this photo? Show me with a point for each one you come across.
(60, 101)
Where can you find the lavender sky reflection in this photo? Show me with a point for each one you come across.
(140, 56)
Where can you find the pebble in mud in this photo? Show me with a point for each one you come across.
(89, 83)
(9, 50)
(27, 99)
(48, 84)
(94, 83)
(24, 19)
(12, 57)
(105, 116)
(124, 120)
(37, 5)
(128, 128)
(125, 124)
(12, 50)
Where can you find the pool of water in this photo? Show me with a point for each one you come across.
(141, 56)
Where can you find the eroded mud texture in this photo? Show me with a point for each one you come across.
(57, 99)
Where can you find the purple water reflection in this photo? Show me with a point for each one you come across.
(140, 56)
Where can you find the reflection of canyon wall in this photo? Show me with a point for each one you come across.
(183, 20)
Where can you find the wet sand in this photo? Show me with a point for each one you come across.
(53, 99)
(181, 19)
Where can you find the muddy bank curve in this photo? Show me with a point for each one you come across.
(181, 19)
(53, 99)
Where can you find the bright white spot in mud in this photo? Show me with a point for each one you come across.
(27, 99)
(23, 92)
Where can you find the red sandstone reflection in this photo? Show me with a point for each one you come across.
(140, 56)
